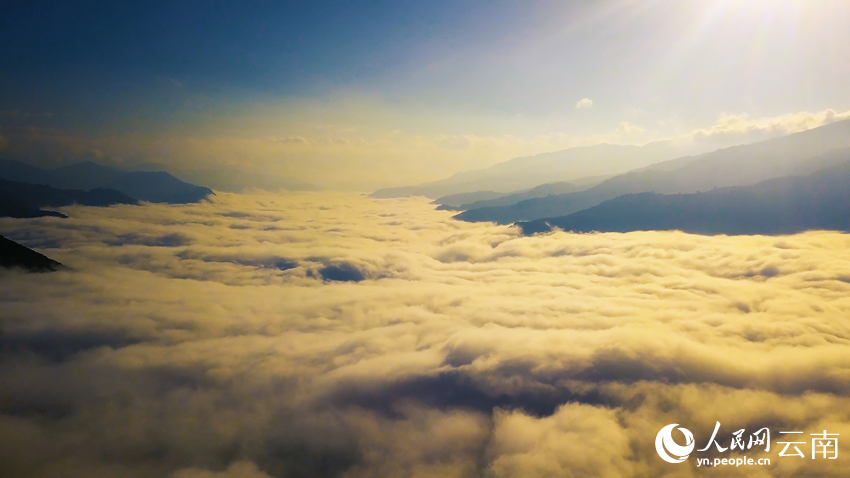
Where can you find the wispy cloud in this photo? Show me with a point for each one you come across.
(627, 128)
(584, 103)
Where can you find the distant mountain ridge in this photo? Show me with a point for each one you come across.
(453, 201)
(234, 179)
(735, 166)
(158, 186)
(784, 205)
(530, 171)
(542, 191)
(25, 200)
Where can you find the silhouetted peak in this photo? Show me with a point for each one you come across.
(14, 255)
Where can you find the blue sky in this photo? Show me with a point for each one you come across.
(283, 47)
(388, 92)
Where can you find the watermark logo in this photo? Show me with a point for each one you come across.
(668, 449)
(824, 445)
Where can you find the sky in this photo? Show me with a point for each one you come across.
(360, 95)
(330, 334)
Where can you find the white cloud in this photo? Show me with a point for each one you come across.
(740, 128)
(584, 103)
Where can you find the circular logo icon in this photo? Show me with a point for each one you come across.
(669, 450)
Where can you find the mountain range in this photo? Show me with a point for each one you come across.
(153, 186)
(476, 201)
(527, 172)
(784, 205)
(736, 166)
(25, 200)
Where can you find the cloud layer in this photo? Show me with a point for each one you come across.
(333, 335)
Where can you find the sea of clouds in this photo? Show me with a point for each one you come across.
(324, 334)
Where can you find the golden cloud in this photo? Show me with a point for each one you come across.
(324, 334)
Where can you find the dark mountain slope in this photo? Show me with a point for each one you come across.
(777, 206)
(11, 207)
(25, 200)
(13, 254)
(736, 166)
(159, 187)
